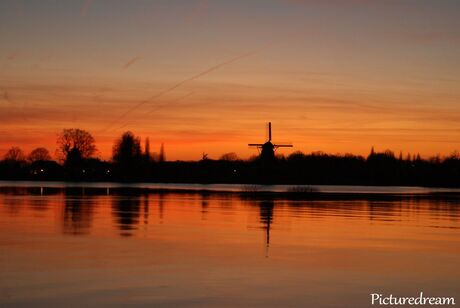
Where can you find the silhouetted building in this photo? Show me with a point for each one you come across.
(267, 149)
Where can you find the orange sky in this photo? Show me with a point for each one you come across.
(205, 76)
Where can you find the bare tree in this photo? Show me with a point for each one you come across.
(15, 154)
(74, 143)
(229, 156)
(39, 154)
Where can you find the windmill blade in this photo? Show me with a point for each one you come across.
(283, 145)
(268, 131)
(267, 149)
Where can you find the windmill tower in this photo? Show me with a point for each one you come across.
(267, 149)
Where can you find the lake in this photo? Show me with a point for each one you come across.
(69, 246)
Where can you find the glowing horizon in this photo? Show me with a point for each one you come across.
(205, 76)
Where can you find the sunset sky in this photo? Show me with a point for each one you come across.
(339, 76)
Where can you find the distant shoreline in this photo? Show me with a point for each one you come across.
(377, 170)
(303, 192)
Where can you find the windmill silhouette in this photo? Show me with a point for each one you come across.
(267, 149)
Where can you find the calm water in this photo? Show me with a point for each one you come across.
(343, 189)
(66, 248)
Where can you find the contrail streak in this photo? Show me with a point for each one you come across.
(158, 107)
(177, 85)
(132, 61)
(168, 103)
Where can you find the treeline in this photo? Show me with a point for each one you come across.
(132, 161)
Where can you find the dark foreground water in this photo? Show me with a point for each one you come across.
(65, 248)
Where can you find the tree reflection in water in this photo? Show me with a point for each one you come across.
(126, 211)
(78, 213)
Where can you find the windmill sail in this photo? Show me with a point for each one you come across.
(268, 148)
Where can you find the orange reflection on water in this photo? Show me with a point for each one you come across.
(214, 249)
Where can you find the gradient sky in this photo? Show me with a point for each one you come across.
(205, 76)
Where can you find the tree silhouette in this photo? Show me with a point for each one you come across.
(127, 149)
(14, 154)
(130, 164)
(75, 144)
(39, 154)
(128, 157)
(14, 165)
(162, 156)
(372, 153)
(147, 154)
(231, 156)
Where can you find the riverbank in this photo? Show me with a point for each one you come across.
(244, 190)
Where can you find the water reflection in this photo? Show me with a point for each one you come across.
(126, 211)
(379, 210)
(130, 208)
(161, 198)
(40, 203)
(12, 204)
(266, 218)
(204, 205)
(78, 213)
(166, 249)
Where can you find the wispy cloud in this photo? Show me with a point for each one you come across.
(342, 1)
(19, 8)
(199, 9)
(6, 96)
(12, 56)
(85, 7)
(431, 37)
